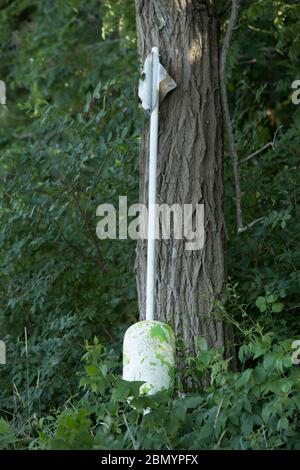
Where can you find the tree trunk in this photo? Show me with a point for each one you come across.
(190, 165)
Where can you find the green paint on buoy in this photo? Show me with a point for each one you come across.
(158, 332)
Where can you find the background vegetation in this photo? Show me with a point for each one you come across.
(68, 142)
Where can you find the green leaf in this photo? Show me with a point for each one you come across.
(206, 431)
(261, 304)
(202, 344)
(259, 375)
(244, 378)
(277, 308)
(283, 424)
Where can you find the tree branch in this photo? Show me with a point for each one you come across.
(226, 112)
(228, 125)
(129, 432)
(257, 152)
(87, 222)
(246, 227)
(92, 233)
(225, 8)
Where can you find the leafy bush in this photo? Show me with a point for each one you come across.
(257, 408)
(69, 143)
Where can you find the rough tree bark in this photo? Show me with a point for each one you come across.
(190, 165)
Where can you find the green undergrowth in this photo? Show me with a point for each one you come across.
(255, 408)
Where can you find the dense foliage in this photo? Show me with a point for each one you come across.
(68, 142)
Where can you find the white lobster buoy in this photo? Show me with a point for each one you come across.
(149, 356)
